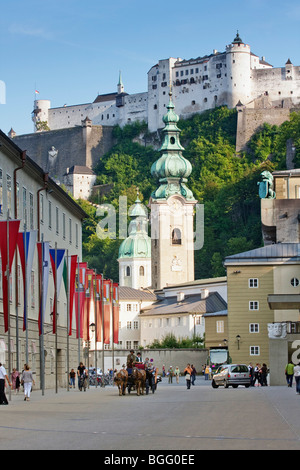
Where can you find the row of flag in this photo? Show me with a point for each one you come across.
(83, 286)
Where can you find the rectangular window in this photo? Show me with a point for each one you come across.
(76, 236)
(253, 305)
(18, 199)
(253, 283)
(135, 325)
(128, 307)
(254, 328)
(128, 344)
(50, 214)
(57, 220)
(64, 226)
(25, 206)
(135, 344)
(70, 231)
(8, 192)
(42, 208)
(129, 325)
(254, 351)
(31, 212)
(220, 326)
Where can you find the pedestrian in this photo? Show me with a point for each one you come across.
(257, 376)
(263, 375)
(72, 378)
(177, 374)
(163, 371)
(193, 375)
(80, 375)
(289, 373)
(15, 380)
(188, 372)
(27, 380)
(3, 377)
(170, 375)
(206, 372)
(251, 373)
(297, 378)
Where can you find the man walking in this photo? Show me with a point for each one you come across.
(289, 372)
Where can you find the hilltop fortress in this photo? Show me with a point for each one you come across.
(236, 78)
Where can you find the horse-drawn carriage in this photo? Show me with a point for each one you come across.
(136, 378)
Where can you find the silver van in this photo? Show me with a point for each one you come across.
(232, 374)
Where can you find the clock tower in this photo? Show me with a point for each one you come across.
(172, 211)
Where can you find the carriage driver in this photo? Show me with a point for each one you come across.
(131, 359)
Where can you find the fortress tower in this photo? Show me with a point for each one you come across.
(238, 64)
(40, 112)
(172, 207)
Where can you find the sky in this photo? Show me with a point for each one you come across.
(70, 50)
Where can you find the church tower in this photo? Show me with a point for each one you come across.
(172, 210)
(135, 251)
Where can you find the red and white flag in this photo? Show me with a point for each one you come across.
(8, 244)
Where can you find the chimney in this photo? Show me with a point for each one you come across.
(204, 293)
(180, 296)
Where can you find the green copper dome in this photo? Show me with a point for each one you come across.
(171, 169)
(138, 243)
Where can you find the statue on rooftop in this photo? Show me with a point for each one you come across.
(266, 186)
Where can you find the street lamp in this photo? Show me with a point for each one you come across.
(238, 338)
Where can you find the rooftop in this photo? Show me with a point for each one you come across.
(190, 304)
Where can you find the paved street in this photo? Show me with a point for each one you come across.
(173, 418)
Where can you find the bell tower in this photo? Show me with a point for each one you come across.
(172, 210)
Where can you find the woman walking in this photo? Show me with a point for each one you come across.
(188, 372)
(15, 379)
(27, 380)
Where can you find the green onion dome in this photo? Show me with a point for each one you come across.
(138, 243)
(171, 169)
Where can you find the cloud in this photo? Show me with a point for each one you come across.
(28, 31)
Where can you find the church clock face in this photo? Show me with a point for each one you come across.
(175, 205)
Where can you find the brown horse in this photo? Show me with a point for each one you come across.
(139, 379)
(120, 380)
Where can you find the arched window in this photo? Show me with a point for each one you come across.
(142, 271)
(128, 271)
(176, 237)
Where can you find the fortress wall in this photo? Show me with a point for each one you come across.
(76, 146)
(250, 120)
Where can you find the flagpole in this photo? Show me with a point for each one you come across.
(55, 321)
(112, 316)
(25, 287)
(8, 302)
(96, 323)
(78, 309)
(102, 326)
(68, 320)
(42, 322)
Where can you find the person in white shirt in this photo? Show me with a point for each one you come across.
(3, 377)
(297, 378)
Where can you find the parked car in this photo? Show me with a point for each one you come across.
(232, 374)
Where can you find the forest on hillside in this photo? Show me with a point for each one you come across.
(224, 182)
